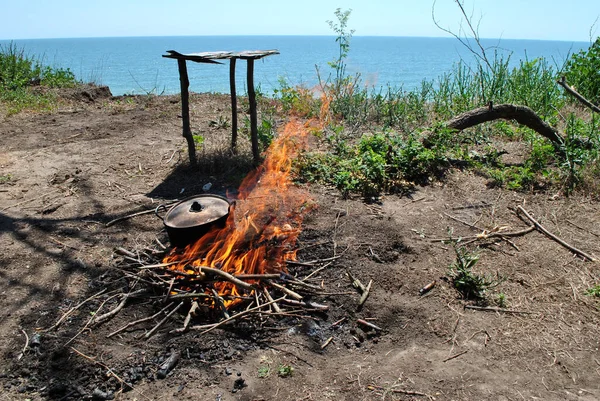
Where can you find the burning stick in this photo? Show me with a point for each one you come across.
(227, 277)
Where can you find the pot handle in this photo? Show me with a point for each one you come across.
(156, 211)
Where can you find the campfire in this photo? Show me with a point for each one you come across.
(243, 262)
(259, 237)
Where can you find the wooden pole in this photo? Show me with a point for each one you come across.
(185, 110)
(253, 116)
(233, 105)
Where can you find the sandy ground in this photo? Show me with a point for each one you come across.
(67, 173)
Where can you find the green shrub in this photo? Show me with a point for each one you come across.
(470, 285)
(583, 72)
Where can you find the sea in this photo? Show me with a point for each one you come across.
(134, 65)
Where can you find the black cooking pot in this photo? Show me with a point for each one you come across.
(188, 220)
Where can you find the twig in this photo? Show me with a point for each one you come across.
(161, 265)
(463, 222)
(287, 291)
(151, 332)
(455, 355)
(555, 238)
(219, 301)
(368, 324)
(314, 261)
(307, 304)
(258, 276)
(26, 345)
(365, 294)
(317, 271)
(399, 391)
(102, 318)
(89, 322)
(270, 298)
(486, 235)
(337, 323)
(326, 343)
(63, 244)
(79, 305)
(130, 324)
(222, 322)
(356, 283)
(563, 82)
(171, 283)
(187, 319)
(495, 309)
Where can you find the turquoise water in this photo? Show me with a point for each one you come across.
(134, 65)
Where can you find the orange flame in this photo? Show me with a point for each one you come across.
(261, 233)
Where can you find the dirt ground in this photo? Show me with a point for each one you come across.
(67, 173)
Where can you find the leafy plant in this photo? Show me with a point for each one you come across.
(501, 300)
(5, 178)
(594, 291)
(198, 139)
(220, 123)
(264, 371)
(285, 370)
(469, 284)
(582, 70)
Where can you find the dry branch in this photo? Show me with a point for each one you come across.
(494, 309)
(234, 317)
(108, 315)
(308, 304)
(455, 356)
(151, 332)
(563, 82)
(79, 305)
(368, 324)
(555, 238)
(521, 114)
(145, 319)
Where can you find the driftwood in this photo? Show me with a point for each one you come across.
(521, 114)
(563, 82)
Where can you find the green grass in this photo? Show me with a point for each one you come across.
(21, 74)
(373, 143)
(594, 291)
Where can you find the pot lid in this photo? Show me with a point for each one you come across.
(196, 211)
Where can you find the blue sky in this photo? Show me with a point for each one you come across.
(508, 19)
